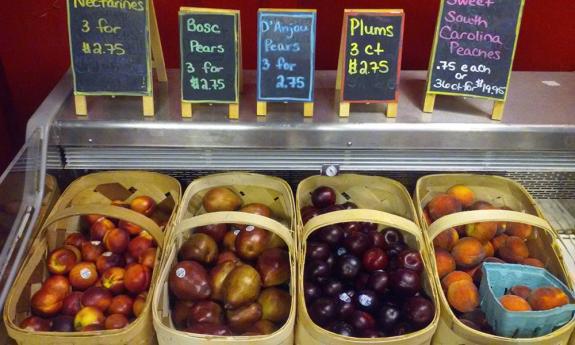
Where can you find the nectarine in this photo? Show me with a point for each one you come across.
(45, 303)
(57, 284)
(137, 278)
(61, 261)
(144, 205)
(83, 275)
(88, 316)
(121, 304)
(116, 240)
(113, 280)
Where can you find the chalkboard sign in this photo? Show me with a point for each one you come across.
(209, 55)
(286, 55)
(474, 48)
(371, 44)
(110, 47)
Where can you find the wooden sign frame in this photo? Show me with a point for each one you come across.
(262, 106)
(344, 105)
(155, 58)
(233, 107)
(498, 104)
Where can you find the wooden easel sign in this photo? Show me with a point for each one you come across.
(286, 58)
(210, 55)
(111, 51)
(473, 51)
(370, 59)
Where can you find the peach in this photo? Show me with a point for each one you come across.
(91, 251)
(488, 248)
(97, 297)
(116, 321)
(453, 277)
(108, 260)
(442, 205)
(113, 280)
(131, 228)
(137, 278)
(35, 324)
(446, 239)
(99, 229)
(514, 303)
(519, 229)
(139, 304)
(533, 262)
(513, 250)
(483, 231)
(521, 291)
(75, 239)
(58, 285)
(548, 297)
(462, 193)
(468, 252)
(144, 205)
(72, 304)
(122, 304)
(61, 261)
(117, 240)
(148, 258)
(498, 241)
(46, 303)
(88, 316)
(83, 275)
(463, 296)
(444, 262)
(138, 244)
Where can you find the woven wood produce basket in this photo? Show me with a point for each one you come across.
(380, 200)
(543, 245)
(92, 194)
(252, 188)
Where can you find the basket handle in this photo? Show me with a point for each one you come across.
(361, 215)
(468, 217)
(112, 212)
(234, 217)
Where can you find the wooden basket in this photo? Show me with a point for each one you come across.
(166, 332)
(381, 200)
(542, 245)
(271, 191)
(92, 194)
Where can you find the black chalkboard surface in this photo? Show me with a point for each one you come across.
(110, 47)
(372, 43)
(286, 55)
(474, 47)
(209, 55)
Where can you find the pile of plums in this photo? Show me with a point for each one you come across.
(99, 280)
(231, 279)
(362, 282)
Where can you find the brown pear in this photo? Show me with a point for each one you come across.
(215, 231)
(218, 276)
(276, 241)
(180, 312)
(221, 199)
(189, 281)
(242, 286)
(251, 242)
(276, 304)
(274, 267)
(206, 312)
(199, 247)
(230, 240)
(242, 318)
(263, 327)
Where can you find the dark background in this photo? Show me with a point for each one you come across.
(34, 44)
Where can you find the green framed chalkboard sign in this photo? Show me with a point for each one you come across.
(210, 58)
(473, 51)
(111, 47)
(370, 58)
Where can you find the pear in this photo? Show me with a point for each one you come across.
(242, 318)
(217, 278)
(241, 287)
(276, 304)
(274, 267)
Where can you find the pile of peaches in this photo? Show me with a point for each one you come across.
(460, 252)
(98, 280)
(231, 279)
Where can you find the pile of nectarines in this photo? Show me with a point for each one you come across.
(522, 298)
(460, 251)
(99, 280)
(231, 279)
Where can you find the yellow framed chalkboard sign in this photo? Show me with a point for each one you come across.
(210, 58)
(473, 50)
(111, 49)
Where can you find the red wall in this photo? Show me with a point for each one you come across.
(34, 47)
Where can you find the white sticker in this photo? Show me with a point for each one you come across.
(85, 273)
(236, 232)
(250, 228)
(551, 83)
(96, 243)
(180, 272)
(107, 254)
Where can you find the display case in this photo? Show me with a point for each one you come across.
(534, 144)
